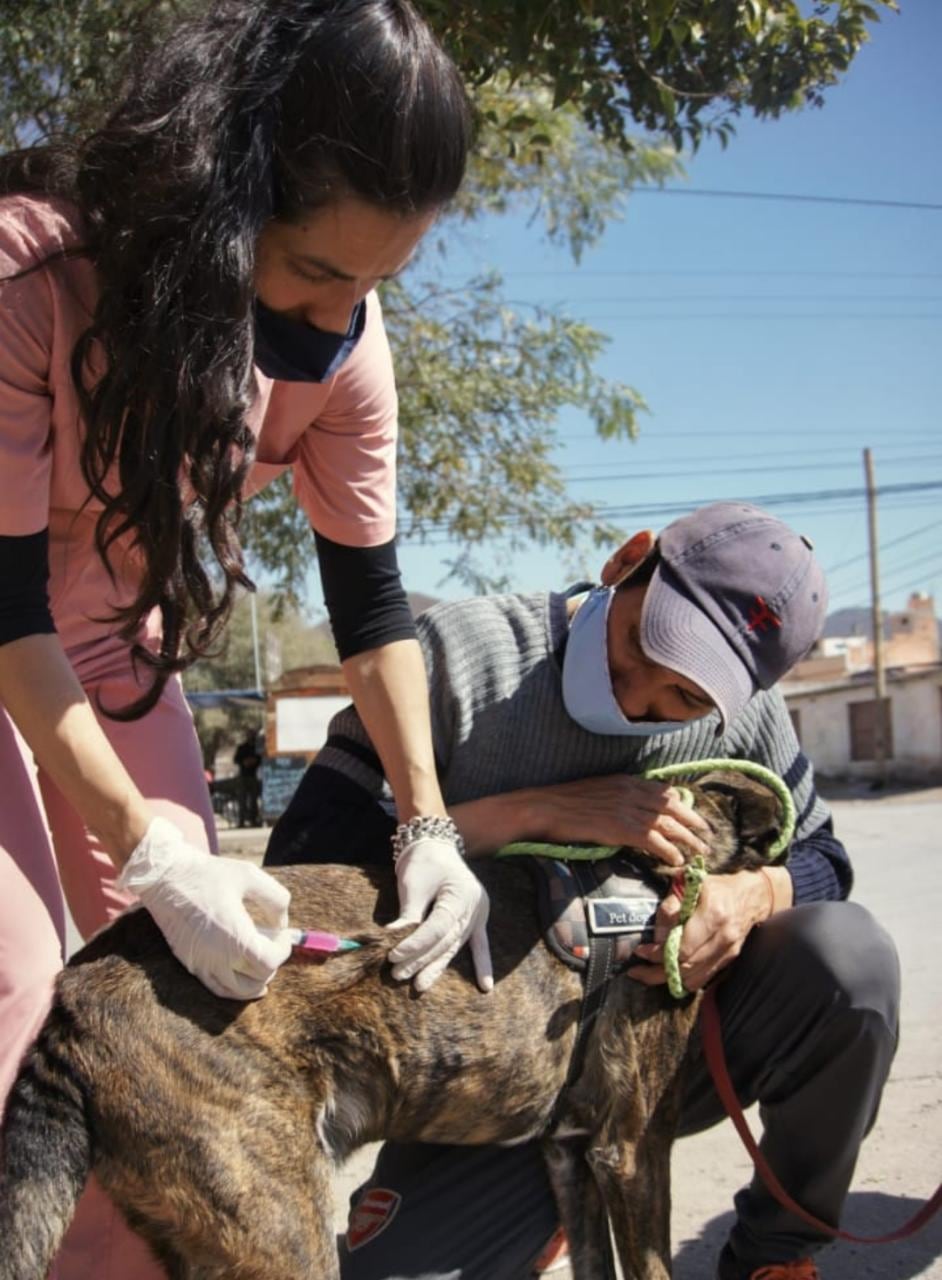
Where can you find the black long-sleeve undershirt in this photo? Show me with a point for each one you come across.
(364, 595)
(24, 586)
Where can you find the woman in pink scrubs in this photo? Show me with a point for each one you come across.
(187, 309)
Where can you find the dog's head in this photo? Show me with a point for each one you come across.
(745, 819)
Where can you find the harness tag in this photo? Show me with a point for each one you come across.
(621, 915)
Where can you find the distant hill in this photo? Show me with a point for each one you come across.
(856, 622)
(850, 622)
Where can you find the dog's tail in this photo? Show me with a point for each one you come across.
(45, 1156)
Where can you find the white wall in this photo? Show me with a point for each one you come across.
(917, 729)
(301, 723)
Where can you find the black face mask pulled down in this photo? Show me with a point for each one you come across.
(295, 352)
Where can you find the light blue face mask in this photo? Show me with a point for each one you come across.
(587, 684)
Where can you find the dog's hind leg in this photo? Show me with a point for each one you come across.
(178, 1268)
(253, 1251)
(238, 1212)
(581, 1210)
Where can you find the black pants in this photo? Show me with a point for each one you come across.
(809, 1013)
(249, 789)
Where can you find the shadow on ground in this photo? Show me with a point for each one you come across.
(869, 1213)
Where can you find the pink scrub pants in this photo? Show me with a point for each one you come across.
(46, 852)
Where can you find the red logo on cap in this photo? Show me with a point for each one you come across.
(371, 1214)
(761, 617)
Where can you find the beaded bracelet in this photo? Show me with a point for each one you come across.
(440, 828)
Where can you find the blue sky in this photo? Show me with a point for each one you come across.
(772, 340)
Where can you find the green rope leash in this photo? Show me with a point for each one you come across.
(563, 852)
(666, 772)
(695, 873)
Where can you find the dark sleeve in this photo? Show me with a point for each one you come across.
(24, 579)
(331, 819)
(363, 592)
(819, 866)
(817, 861)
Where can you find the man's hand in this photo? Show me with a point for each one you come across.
(431, 872)
(617, 809)
(713, 937)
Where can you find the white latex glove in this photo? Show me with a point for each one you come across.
(431, 870)
(198, 901)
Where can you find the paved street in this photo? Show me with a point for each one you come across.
(896, 846)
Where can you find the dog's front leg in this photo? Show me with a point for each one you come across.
(581, 1210)
(634, 1180)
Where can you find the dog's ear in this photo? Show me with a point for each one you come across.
(754, 810)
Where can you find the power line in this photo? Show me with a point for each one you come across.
(765, 456)
(743, 471)
(885, 546)
(852, 507)
(903, 566)
(775, 499)
(721, 272)
(790, 197)
(573, 300)
(918, 584)
(912, 492)
(893, 575)
(674, 316)
(749, 432)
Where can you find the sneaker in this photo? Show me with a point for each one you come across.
(800, 1269)
(555, 1254)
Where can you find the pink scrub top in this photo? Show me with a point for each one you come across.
(338, 437)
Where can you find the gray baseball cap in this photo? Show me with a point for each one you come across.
(737, 598)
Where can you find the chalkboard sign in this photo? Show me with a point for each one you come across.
(280, 778)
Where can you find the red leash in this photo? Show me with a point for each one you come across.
(716, 1061)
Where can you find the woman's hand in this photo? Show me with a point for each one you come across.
(431, 872)
(390, 690)
(713, 937)
(199, 904)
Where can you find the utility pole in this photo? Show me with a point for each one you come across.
(258, 665)
(880, 723)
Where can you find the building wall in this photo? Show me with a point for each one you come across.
(911, 639)
(914, 633)
(917, 729)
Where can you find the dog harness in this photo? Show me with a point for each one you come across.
(594, 913)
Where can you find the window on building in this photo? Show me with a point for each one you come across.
(863, 729)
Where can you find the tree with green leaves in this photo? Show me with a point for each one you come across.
(682, 67)
(560, 91)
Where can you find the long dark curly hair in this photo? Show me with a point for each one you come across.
(256, 109)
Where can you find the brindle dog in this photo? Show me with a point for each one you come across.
(215, 1125)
